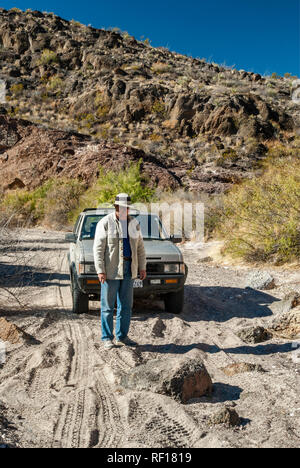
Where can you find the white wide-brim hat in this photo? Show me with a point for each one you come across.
(123, 199)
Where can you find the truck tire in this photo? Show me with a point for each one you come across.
(174, 302)
(80, 300)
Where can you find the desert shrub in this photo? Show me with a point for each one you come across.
(159, 108)
(55, 83)
(102, 104)
(155, 137)
(50, 203)
(48, 56)
(86, 120)
(261, 217)
(17, 89)
(110, 183)
(62, 198)
(229, 155)
(160, 68)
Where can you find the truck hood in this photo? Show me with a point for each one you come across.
(159, 251)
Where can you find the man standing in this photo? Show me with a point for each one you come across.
(119, 254)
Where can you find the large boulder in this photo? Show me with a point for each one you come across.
(180, 378)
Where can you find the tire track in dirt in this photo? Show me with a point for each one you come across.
(63, 299)
(77, 425)
(69, 426)
(148, 414)
(90, 416)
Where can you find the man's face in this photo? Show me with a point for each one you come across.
(122, 212)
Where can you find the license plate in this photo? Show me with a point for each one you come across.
(155, 281)
(137, 283)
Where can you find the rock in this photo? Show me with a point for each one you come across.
(11, 333)
(226, 416)
(180, 378)
(205, 260)
(241, 367)
(286, 322)
(254, 334)
(158, 328)
(290, 301)
(260, 280)
(256, 77)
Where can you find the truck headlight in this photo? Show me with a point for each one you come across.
(86, 268)
(89, 269)
(171, 268)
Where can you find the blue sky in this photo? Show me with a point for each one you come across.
(262, 36)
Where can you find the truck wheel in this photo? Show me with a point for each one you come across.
(174, 302)
(80, 300)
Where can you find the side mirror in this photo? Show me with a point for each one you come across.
(176, 239)
(70, 237)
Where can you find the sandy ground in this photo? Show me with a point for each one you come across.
(60, 391)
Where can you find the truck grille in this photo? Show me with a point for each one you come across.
(155, 268)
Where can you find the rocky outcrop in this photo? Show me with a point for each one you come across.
(32, 154)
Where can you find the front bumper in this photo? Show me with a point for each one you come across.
(89, 284)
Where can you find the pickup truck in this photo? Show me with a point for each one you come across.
(166, 270)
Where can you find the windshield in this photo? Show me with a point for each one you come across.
(151, 226)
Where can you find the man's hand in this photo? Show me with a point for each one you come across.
(102, 278)
(143, 274)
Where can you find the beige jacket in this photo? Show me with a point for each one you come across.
(108, 247)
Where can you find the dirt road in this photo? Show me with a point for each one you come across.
(59, 390)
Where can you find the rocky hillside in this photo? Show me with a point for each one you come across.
(199, 125)
(31, 154)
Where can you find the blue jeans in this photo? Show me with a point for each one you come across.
(122, 292)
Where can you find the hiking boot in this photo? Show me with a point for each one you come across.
(108, 344)
(125, 342)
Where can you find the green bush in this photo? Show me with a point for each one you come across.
(48, 56)
(159, 108)
(260, 220)
(110, 183)
(55, 83)
(17, 89)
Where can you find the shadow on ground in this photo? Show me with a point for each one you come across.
(18, 276)
(221, 393)
(218, 304)
(258, 350)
